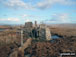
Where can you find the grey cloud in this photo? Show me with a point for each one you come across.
(59, 18)
(16, 4)
(44, 4)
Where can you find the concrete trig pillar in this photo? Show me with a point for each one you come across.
(48, 34)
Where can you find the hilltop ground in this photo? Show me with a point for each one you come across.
(53, 48)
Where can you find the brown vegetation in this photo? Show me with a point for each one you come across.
(10, 41)
(8, 36)
(65, 32)
(49, 49)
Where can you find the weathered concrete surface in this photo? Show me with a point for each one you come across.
(14, 54)
(20, 51)
(26, 44)
(47, 33)
(44, 33)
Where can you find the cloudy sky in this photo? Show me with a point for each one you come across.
(48, 11)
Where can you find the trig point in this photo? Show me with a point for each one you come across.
(41, 32)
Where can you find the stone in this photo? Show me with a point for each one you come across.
(48, 34)
(28, 25)
(42, 32)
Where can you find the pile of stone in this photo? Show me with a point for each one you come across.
(41, 32)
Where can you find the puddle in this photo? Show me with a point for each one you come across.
(55, 37)
(28, 55)
(2, 29)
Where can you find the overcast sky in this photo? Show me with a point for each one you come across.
(48, 11)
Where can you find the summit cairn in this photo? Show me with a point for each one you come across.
(41, 32)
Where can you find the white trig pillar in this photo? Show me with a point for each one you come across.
(47, 33)
(21, 37)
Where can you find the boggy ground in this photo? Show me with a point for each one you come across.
(51, 48)
(65, 32)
